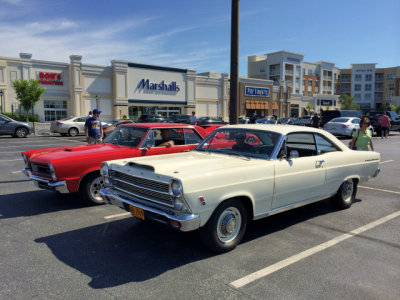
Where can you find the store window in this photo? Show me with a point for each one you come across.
(136, 111)
(55, 110)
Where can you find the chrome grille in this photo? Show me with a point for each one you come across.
(141, 188)
(41, 169)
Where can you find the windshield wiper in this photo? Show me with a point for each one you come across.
(238, 154)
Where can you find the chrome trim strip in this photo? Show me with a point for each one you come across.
(289, 207)
(143, 197)
(59, 186)
(188, 222)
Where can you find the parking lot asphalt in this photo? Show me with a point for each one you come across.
(55, 246)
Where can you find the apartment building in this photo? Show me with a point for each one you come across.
(371, 87)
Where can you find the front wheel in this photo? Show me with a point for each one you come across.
(226, 227)
(90, 188)
(345, 195)
(21, 132)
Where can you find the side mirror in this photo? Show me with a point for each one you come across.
(293, 154)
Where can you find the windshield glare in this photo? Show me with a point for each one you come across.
(126, 136)
(251, 143)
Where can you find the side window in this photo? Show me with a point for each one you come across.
(355, 121)
(323, 145)
(191, 137)
(303, 143)
(80, 120)
(149, 141)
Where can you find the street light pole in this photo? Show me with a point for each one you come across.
(97, 101)
(1, 100)
(233, 95)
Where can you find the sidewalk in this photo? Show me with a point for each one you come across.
(42, 129)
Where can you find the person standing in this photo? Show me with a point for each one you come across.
(89, 115)
(193, 118)
(385, 125)
(362, 138)
(315, 121)
(94, 128)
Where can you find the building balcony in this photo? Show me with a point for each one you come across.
(289, 72)
(378, 89)
(345, 79)
(274, 72)
(328, 78)
(327, 87)
(379, 79)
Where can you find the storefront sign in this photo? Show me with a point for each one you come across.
(293, 59)
(256, 91)
(50, 78)
(326, 102)
(161, 86)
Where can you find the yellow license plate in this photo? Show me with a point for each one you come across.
(137, 212)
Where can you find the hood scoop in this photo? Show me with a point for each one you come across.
(140, 166)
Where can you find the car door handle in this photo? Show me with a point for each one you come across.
(319, 163)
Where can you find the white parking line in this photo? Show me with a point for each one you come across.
(117, 215)
(16, 172)
(386, 161)
(370, 188)
(10, 159)
(295, 258)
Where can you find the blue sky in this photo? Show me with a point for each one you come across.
(195, 34)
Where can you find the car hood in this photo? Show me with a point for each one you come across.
(75, 151)
(187, 164)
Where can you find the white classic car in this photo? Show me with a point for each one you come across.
(238, 173)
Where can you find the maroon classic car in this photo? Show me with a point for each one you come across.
(72, 169)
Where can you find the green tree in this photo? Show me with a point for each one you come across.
(28, 92)
(309, 108)
(393, 107)
(347, 102)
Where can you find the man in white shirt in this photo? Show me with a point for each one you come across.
(193, 118)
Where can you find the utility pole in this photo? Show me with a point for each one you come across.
(233, 95)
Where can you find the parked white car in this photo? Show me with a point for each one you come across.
(344, 126)
(71, 126)
(238, 173)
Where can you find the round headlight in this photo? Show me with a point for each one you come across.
(52, 172)
(25, 160)
(104, 169)
(176, 188)
(178, 203)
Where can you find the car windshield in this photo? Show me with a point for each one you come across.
(243, 142)
(126, 136)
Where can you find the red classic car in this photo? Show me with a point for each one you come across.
(72, 169)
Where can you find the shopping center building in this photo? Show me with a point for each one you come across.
(132, 89)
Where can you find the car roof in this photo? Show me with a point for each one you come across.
(282, 129)
(158, 125)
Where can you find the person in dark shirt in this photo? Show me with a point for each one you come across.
(94, 128)
(315, 121)
(241, 145)
(165, 139)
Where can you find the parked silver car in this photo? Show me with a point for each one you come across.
(71, 126)
(344, 126)
(18, 129)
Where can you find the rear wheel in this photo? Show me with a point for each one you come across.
(21, 132)
(226, 227)
(73, 131)
(90, 188)
(345, 195)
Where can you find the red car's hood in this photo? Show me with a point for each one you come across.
(70, 152)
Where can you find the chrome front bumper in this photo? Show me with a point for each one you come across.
(44, 183)
(187, 222)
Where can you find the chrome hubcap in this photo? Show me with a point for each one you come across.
(95, 188)
(229, 224)
(347, 190)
